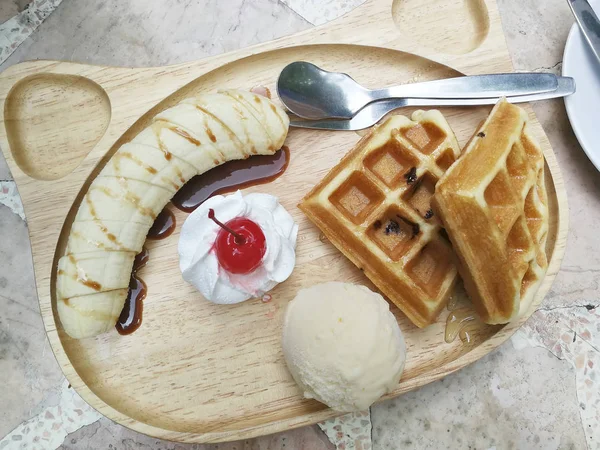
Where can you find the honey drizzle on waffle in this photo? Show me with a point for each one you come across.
(463, 321)
(374, 206)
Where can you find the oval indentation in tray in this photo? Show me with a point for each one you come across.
(440, 18)
(53, 121)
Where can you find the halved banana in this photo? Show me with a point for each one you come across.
(121, 204)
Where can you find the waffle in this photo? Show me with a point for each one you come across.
(494, 207)
(374, 206)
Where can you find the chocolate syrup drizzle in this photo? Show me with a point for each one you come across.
(131, 315)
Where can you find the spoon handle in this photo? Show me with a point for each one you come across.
(476, 86)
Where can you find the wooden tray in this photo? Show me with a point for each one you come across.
(198, 372)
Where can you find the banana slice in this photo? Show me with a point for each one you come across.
(89, 315)
(262, 109)
(110, 235)
(125, 199)
(88, 273)
(148, 164)
(121, 204)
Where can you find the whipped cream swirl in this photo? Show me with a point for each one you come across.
(198, 260)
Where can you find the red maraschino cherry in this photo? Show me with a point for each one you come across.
(240, 244)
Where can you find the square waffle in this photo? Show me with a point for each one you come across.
(374, 206)
(494, 207)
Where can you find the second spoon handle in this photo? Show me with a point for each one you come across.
(475, 86)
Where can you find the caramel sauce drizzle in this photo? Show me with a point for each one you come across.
(129, 197)
(102, 227)
(231, 134)
(238, 110)
(171, 182)
(184, 134)
(243, 122)
(92, 284)
(97, 315)
(259, 114)
(180, 175)
(265, 92)
(213, 138)
(85, 281)
(277, 115)
(261, 90)
(156, 129)
(162, 123)
(111, 237)
(260, 118)
(210, 134)
(91, 206)
(136, 160)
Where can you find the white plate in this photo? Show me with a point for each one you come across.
(583, 106)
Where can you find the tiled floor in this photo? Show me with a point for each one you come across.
(10, 8)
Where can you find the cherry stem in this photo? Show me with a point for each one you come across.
(239, 239)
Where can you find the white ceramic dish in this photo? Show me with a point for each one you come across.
(582, 107)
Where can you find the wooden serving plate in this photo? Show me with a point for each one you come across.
(198, 372)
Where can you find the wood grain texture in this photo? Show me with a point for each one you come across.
(198, 372)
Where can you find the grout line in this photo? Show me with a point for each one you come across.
(294, 12)
(316, 12)
(554, 68)
(9, 197)
(371, 431)
(580, 353)
(588, 306)
(49, 428)
(350, 431)
(17, 29)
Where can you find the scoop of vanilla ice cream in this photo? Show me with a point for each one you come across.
(342, 345)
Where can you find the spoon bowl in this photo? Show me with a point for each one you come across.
(311, 92)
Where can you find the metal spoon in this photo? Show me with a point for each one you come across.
(313, 93)
(374, 112)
